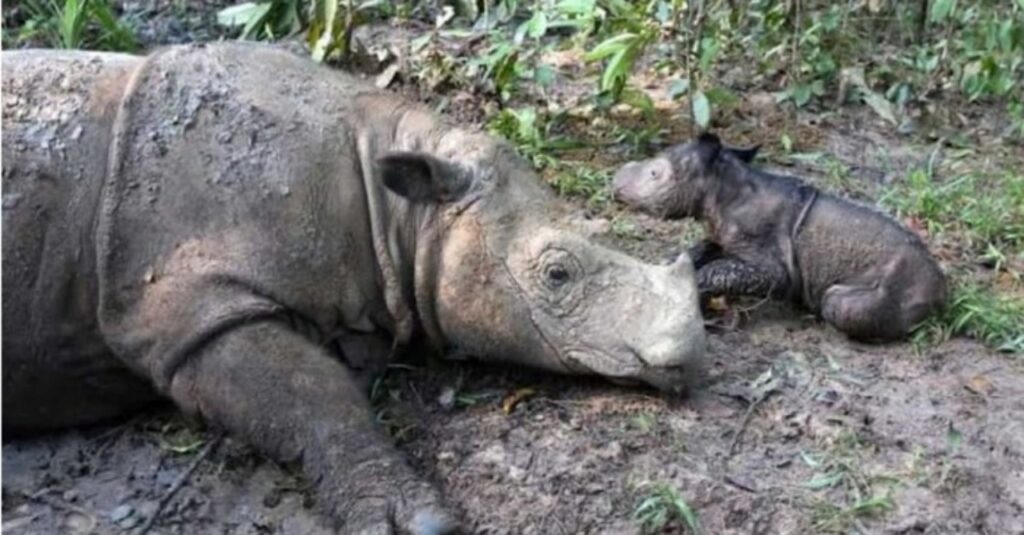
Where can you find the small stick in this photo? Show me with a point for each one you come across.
(178, 483)
(746, 421)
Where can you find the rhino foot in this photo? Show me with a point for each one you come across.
(418, 511)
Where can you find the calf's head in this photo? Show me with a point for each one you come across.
(674, 183)
(512, 279)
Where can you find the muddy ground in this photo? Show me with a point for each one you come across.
(795, 429)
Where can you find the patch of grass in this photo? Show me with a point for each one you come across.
(830, 518)
(643, 422)
(977, 312)
(88, 24)
(180, 437)
(664, 505)
(984, 210)
(863, 494)
(533, 136)
(579, 180)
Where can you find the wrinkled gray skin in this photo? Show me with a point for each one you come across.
(773, 235)
(240, 230)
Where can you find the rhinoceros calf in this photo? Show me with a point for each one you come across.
(239, 229)
(775, 235)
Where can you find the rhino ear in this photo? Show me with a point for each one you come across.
(745, 155)
(708, 148)
(423, 178)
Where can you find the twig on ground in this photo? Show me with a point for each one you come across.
(746, 421)
(178, 483)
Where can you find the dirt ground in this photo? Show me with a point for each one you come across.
(795, 429)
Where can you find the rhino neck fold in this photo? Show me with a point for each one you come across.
(406, 240)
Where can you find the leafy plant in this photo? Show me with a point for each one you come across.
(264, 20)
(979, 313)
(662, 506)
(88, 24)
(328, 23)
(984, 210)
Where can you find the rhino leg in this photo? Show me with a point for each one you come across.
(284, 394)
(733, 277)
(867, 312)
(703, 252)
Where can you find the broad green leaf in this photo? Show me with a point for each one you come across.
(242, 14)
(617, 69)
(328, 17)
(940, 10)
(881, 106)
(610, 46)
(678, 88)
(580, 7)
(538, 25)
(708, 49)
(701, 109)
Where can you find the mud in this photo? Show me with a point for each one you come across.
(938, 433)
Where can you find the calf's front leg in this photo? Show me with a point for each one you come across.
(731, 276)
(285, 395)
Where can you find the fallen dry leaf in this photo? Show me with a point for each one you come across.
(510, 402)
(980, 385)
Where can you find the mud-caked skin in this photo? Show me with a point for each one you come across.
(243, 231)
(774, 235)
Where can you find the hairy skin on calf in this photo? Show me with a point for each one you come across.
(774, 235)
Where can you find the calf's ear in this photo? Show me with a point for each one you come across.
(745, 155)
(423, 178)
(708, 148)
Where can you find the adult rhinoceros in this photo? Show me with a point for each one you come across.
(235, 227)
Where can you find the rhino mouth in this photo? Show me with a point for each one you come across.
(637, 372)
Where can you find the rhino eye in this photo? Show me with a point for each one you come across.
(556, 274)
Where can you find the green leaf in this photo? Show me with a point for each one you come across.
(823, 481)
(678, 88)
(881, 106)
(617, 69)
(538, 25)
(940, 10)
(701, 109)
(708, 49)
(327, 17)
(638, 99)
(544, 75)
(810, 461)
(953, 437)
(610, 46)
(242, 14)
(687, 513)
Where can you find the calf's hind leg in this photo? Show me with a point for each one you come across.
(864, 312)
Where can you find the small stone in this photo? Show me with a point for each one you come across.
(11, 200)
(447, 398)
(121, 512)
(78, 523)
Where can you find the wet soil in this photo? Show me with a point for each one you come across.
(794, 429)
